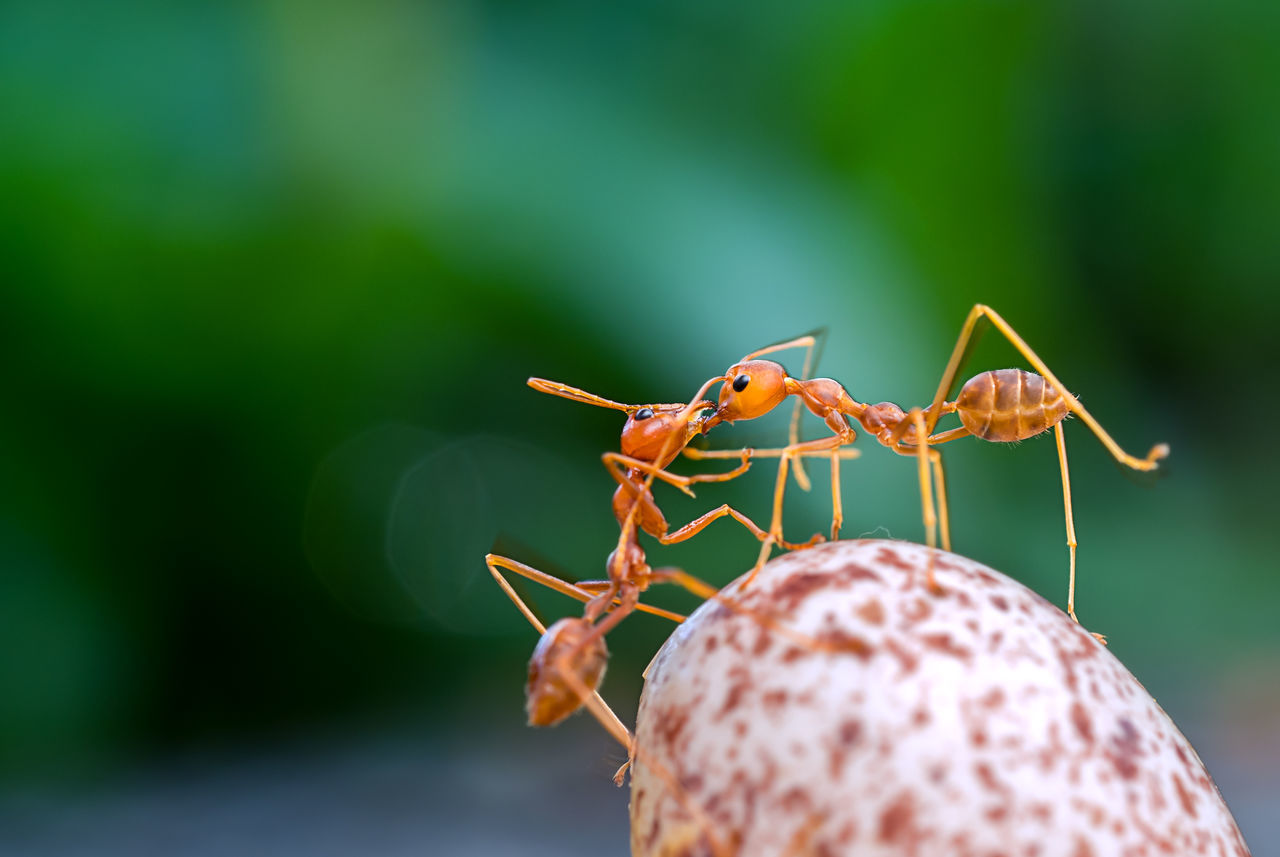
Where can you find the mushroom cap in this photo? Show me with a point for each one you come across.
(837, 705)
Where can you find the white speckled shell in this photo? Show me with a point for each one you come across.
(978, 721)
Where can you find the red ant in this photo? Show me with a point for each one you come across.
(1001, 406)
(569, 661)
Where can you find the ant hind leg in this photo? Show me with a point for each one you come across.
(968, 338)
(1060, 436)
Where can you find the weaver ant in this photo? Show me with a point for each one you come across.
(1001, 406)
(568, 663)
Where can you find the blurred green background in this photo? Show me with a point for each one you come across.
(275, 275)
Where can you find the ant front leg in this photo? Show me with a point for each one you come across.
(837, 511)
(797, 452)
(617, 464)
(1060, 436)
(822, 445)
(746, 454)
(968, 337)
(897, 439)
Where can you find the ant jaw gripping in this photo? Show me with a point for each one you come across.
(652, 432)
(658, 432)
(566, 667)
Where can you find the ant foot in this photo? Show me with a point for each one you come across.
(801, 546)
(1101, 638)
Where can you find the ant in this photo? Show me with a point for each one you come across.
(1001, 406)
(568, 663)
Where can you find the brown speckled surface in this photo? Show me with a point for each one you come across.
(977, 721)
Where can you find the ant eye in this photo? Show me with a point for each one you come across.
(644, 413)
(740, 383)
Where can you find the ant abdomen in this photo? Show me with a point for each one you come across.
(567, 665)
(1005, 405)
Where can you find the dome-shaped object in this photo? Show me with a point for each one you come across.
(839, 707)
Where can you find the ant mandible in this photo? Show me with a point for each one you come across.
(569, 661)
(1001, 406)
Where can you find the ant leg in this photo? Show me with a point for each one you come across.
(944, 522)
(1061, 437)
(614, 462)
(923, 459)
(837, 511)
(776, 452)
(593, 701)
(821, 445)
(948, 436)
(936, 515)
(746, 455)
(926, 487)
(766, 550)
(686, 581)
(698, 524)
(797, 452)
(603, 585)
(918, 446)
(584, 591)
(793, 433)
(494, 562)
(939, 477)
(793, 429)
(775, 523)
(563, 668)
(968, 336)
(964, 344)
(627, 605)
(926, 458)
(806, 341)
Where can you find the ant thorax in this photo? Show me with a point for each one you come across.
(877, 418)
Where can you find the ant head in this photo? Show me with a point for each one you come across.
(751, 389)
(565, 663)
(654, 431)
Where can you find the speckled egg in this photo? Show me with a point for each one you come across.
(838, 706)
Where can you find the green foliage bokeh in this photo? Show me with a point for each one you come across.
(275, 275)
